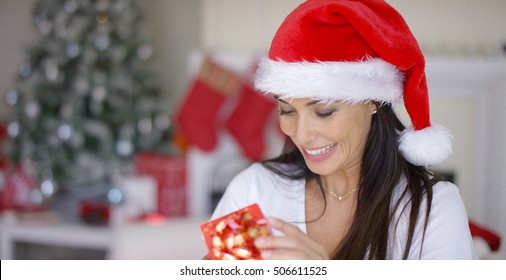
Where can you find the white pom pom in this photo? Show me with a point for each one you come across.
(427, 147)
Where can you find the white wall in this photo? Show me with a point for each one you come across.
(456, 26)
(15, 33)
(175, 30)
(449, 26)
(242, 25)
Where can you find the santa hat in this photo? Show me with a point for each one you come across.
(356, 51)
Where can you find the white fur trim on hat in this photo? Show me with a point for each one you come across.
(373, 79)
(426, 147)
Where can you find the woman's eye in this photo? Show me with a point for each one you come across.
(284, 112)
(325, 114)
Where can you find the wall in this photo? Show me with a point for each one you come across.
(15, 32)
(450, 26)
(175, 30)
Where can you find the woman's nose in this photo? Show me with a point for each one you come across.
(304, 131)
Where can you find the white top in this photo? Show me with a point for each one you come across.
(447, 236)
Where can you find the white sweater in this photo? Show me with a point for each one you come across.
(447, 236)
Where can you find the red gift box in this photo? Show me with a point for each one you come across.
(17, 190)
(169, 172)
(232, 236)
(95, 212)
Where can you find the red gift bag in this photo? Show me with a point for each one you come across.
(170, 174)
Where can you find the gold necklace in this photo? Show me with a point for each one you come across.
(340, 197)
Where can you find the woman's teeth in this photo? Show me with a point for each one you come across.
(321, 151)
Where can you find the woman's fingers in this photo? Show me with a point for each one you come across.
(285, 242)
(293, 245)
(290, 240)
(281, 254)
(284, 227)
(289, 247)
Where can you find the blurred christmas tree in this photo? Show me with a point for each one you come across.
(85, 101)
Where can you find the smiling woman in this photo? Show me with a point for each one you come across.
(330, 136)
(352, 181)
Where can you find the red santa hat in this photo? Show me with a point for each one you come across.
(356, 51)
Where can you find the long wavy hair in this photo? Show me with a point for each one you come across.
(382, 168)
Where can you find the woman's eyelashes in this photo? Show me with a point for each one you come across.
(285, 109)
(325, 114)
(284, 112)
(319, 113)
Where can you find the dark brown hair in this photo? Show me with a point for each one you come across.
(382, 168)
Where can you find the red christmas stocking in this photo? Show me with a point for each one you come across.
(247, 122)
(197, 117)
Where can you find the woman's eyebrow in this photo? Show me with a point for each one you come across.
(310, 103)
(280, 100)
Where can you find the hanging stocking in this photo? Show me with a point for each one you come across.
(248, 121)
(197, 118)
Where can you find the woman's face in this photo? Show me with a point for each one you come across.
(331, 137)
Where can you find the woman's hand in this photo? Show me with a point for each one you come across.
(293, 245)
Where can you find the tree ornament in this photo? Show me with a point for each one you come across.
(102, 18)
(70, 6)
(145, 125)
(51, 69)
(48, 188)
(25, 70)
(12, 97)
(65, 132)
(13, 129)
(73, 50)
(102, 42)
(124, 147)
(162, 122)
(32, 109)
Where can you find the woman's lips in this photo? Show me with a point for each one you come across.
(320, 153)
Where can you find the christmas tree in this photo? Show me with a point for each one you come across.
(85, 100)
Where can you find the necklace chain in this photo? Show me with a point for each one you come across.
(340, 197)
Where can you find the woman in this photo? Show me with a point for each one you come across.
(352, 181)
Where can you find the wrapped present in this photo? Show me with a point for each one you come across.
(232, 236)
(19, 191)
(95, 212)
(169, 172)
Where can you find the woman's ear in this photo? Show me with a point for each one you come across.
(374, 107)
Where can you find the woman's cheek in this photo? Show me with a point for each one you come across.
(285, 126)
